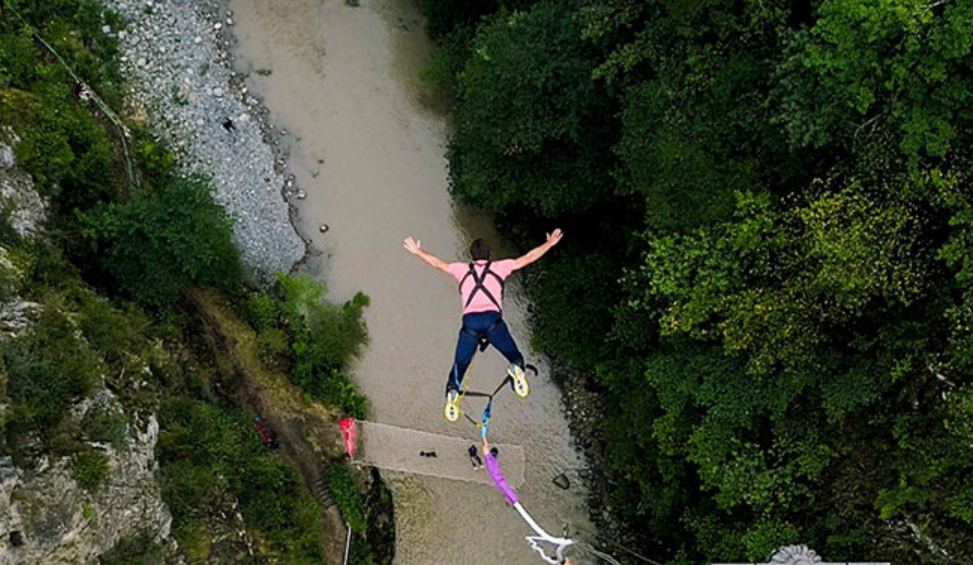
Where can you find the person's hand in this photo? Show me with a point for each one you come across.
(554, 237)
(412, 246)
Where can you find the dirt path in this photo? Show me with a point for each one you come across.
(308, 433)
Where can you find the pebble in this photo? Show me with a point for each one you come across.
(217, 26)
(198, 40)
(324, 228)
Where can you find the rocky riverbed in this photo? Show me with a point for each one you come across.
(175, 57)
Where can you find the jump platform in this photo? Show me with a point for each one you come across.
(398, 449)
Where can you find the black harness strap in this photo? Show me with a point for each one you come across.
(478, 284)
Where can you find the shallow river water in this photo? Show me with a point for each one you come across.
(367, 143)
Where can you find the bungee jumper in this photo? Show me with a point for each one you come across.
(481, 283)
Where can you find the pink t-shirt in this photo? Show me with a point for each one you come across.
(481, 302)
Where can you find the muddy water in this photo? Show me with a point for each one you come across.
(368, 146)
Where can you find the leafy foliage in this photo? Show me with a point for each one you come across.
(903, 64)
(156, 245)
(782, 190)
(133, 551)
(347, 496)
(49, 368)
(62, 144)
(326, 337)
(90, 468)
(205, 451)
(515, 145)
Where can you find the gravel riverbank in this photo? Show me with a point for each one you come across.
(175, 56)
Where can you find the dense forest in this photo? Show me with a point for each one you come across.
(768, 268)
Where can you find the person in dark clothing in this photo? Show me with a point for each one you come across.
(475, 458)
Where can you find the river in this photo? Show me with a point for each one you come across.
(367, 143)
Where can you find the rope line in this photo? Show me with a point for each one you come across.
(608, 541)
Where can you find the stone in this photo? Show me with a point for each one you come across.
(795, 555)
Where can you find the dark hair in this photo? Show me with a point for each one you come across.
(480, 250)
(494, 451)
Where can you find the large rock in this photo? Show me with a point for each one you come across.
(46, 518)
(27, 209)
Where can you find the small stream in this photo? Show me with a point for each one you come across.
(367, 144)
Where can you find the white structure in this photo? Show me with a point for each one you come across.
(801, 555)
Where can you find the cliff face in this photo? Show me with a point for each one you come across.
(46, 517)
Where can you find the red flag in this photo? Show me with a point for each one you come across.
(350, 431)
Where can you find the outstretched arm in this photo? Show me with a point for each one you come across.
(415, 247)
(539, 251)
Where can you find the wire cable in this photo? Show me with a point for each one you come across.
(112, 117)
(608, 541)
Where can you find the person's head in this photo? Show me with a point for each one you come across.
(480, 250)
(494, 452)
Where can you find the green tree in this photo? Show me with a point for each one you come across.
(529, 130)
(901, 65)
(156, 245)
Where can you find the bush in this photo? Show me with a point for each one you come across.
(49, 368)
(347, 497)
(326, 338)
(337, 333)
(263, 312)
(532, 129)
(205, 450)
(105, 425)
(90, 469)
(133, 551)
(157, 245)
(273, 346)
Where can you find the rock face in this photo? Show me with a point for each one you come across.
(27, 213)
(179, 70)
(46, 518)
(27, 210)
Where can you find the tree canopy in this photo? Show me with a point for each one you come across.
(769, 265)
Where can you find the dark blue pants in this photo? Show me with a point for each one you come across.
(484, 324)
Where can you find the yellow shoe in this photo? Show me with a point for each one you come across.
(520, 385)
(452, 410)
